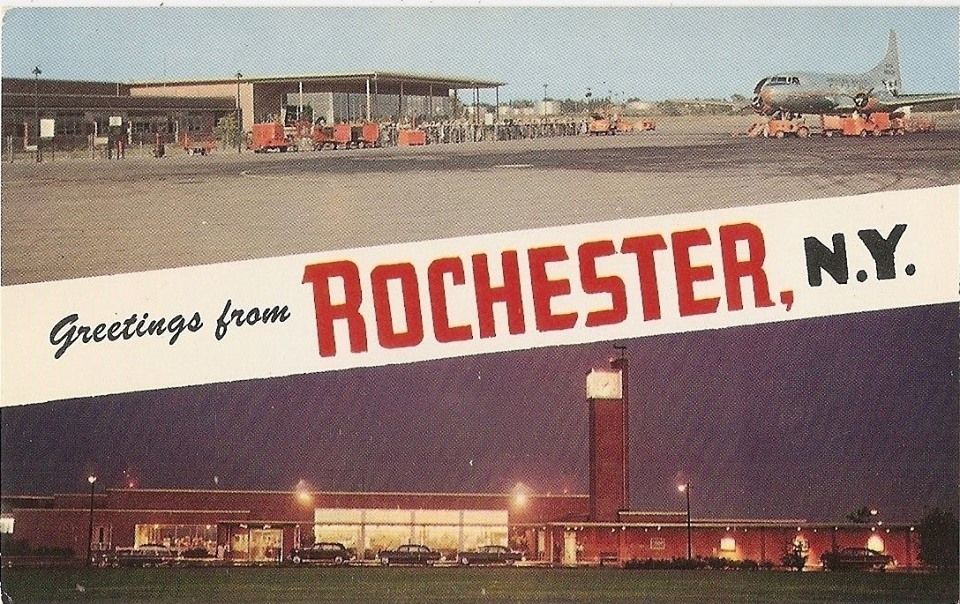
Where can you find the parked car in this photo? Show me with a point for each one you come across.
(409, 554)
(148, 554)
(855, 558)
(333, 553)
(489, 554)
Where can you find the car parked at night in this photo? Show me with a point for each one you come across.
(410, 553)
(148, 554)
(331, 553)
(855, 558)
(489, 554)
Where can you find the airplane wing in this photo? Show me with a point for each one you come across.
(905, 100)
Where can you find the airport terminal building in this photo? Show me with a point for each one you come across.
(568, 529)
(143, 110)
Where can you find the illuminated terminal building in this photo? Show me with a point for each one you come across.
(563, 529)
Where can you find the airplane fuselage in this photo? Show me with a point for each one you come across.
(821, 93)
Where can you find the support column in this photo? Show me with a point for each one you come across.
(400, 104)
(300, 100)
(496, 111)
(368, 99)
(430, 102)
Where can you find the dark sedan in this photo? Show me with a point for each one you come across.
(489, 554)
(332, 553)
(409, 554)
(855, 558)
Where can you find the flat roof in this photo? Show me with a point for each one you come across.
(382, 76)
(334, 493)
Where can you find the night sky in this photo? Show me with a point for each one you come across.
(806, 419)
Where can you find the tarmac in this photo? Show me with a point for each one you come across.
(79, 217)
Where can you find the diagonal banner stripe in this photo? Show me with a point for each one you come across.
(454, 297)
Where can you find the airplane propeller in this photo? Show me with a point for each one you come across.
(862, 99)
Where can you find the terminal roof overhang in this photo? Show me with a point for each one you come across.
(383, 78)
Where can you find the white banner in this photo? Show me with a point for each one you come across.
(487, 293)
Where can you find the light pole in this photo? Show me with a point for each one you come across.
(685, 489)
(92, 480)
(36, 106)
(239, 125)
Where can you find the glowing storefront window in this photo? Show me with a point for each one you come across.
(6, 525)
(475, 536)
(443, 538)
(337, 516)
(179, 537)
(728, 544)
(436, 517)
(377, 516)
(875, 542)
(381, 529)
(347, 534)
(386, 536)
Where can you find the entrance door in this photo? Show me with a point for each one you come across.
(240, 545)
(569, 547)
(266, 545)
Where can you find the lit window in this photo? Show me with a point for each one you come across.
(6, 525)
(728, 544)
(875, 542)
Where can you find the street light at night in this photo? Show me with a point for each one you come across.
(685, 489)
(92, 480)
(303, 493)
(520, 495)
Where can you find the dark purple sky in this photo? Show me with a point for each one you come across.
(806, 419)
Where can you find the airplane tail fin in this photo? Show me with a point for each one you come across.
(887, 73)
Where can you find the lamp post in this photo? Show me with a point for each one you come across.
(239, 125)
(36, 106)
(685, 489)
(92, 480)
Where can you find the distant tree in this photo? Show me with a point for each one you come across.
(227, 132)
(669, 108)
(796, 555)
(939, 541)
(861, 515)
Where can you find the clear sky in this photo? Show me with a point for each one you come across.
(651, 53)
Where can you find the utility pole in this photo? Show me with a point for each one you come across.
(239, 124)
(93, 481)
(36, 107)
(685, 489)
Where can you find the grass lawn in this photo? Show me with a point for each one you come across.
(466, 585)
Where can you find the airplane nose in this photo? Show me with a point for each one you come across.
(763, 101)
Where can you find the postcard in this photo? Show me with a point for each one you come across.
(629, 303)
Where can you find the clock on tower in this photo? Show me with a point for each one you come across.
(604, 384)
